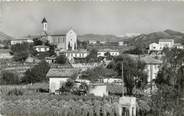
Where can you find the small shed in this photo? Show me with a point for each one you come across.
(58, 76)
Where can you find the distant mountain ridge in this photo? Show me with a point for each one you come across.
(146, 39)
(4, 36)
(99, 37)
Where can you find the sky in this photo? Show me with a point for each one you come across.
(117, 18)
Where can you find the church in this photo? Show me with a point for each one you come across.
(63, 41)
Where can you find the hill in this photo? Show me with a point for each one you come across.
(4, 36)
(98, 37)
(146, 39)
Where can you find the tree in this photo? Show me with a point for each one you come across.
(169, 82)
(8, 77)
(108, 56)
(133, 71)
(61, 59)
(92, 57)
(67, 87)
(37, 73)
(37, 41)
(98, 73)
(21, 51)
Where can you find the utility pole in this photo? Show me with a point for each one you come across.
(122, 80)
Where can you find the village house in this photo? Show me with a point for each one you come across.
(76, 54)
(152, 67)
(92, 41)
(166, 43)
(42, 48)
(51, 59)
(120, 43)
(20, 41)
(101, 52)
(58, 76)
(154, 47)
(5, 54)
(85, 66)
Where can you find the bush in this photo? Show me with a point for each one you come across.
(61, 59)
(15, 92)
(37, 73)
(9, 78)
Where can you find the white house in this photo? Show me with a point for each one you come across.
(20, 41)
(154, 47)
(99, 90)
(41, 48)
(112, 80)
(112, 52)
(166, 43)
(178, 46)
(120, 43)
(92, 42)
(58, 76)
(152, 67)
(76, 54)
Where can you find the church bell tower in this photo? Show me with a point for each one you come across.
(45, 25)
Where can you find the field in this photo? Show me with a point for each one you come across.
(44, 104)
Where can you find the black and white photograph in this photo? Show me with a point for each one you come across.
(91, 57)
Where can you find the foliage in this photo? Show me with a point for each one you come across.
(37, 73)
(61, 59)
(37, 41)
(53, 105)
(15, 92)
(133, 71)
(169, 82)
(67, 87)
(21, 51)
(82, 44)
(137, 50)
(108, 56)
(92, 57)
(9, 78)
(98, 73)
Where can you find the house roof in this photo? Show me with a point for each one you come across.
(44, 20)
(108, 50)
(150, 60)
(41, 46)
(146, 59)
(59, 73)
(115, 89)
(166, 40)
(77, 51)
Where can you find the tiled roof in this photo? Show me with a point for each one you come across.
(59, 73)
(108, 50)
(166, 40)
(150, 60)
(146, 59)
(41, 46)
(115, 89)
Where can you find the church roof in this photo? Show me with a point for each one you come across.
(44, 20)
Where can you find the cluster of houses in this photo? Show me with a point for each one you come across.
(164, 43)
(66, 43)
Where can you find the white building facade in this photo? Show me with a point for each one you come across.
(169, 43)
(101, 53)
